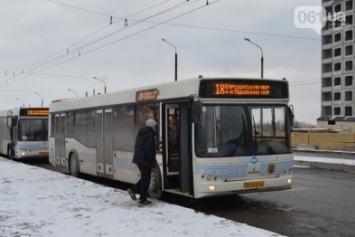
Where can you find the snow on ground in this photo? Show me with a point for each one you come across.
(39, 202)
(325, 160)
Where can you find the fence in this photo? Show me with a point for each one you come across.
(323, 141)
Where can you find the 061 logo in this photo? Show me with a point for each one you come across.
(316, 17)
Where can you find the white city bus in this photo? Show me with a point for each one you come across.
(215, 136)
(24, 133)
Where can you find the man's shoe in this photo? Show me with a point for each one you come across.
(132, 194)
(145, 202)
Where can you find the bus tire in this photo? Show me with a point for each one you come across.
(155, 188)
(74, 169)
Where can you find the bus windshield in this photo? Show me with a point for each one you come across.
(223, 131)
(33, 130)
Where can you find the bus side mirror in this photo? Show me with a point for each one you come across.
(196, 110)
(291, 115)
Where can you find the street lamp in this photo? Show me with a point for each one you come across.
(41, 98)
(101, 81)
(176, 56)
(23, 102)
(262, 56)
(73, 92)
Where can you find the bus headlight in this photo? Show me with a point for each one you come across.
(23, 151)
(289, 181)
(212, 188)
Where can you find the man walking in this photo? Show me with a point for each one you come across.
(144, 158)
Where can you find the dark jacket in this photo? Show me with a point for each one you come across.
(144, 148)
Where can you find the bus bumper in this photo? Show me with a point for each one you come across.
(210, 189)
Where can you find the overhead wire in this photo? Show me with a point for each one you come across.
(72, 53)
(69, 51)
(128, 26)
(123, 38)
(241, 31)
(78, 8)
(61, 51)
(157, 24)
(305, 83)
(83, 77)
(53, 56)
(112, 22)
(193, 26)
(77, 50)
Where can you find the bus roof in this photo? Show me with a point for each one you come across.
(168, 90)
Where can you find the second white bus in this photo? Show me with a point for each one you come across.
(24, 133)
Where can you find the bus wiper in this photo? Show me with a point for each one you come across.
(256, 133)
(264, 141)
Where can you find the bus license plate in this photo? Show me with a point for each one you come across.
(259, 184)
(43, 153)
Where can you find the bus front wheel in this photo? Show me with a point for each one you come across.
(74, 169)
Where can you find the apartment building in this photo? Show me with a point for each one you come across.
(338, 66)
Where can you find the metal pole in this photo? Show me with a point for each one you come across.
(176, 65)
(262, 66)
(23, 102)
(74, 92)
(102, 82)
(41, 98)
(262, 56)
(176, 57)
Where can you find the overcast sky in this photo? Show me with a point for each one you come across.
(48, 47)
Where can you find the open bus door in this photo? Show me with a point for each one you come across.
(177, 161)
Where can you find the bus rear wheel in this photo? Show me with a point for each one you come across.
(74, 169)
(155, 188)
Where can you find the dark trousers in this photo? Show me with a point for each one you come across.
(142, 185)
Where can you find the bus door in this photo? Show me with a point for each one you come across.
(104, 142)
(177, 163)
(59, 133)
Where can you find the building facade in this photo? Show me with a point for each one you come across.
(338, 66)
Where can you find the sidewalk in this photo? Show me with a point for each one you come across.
(39, 202)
